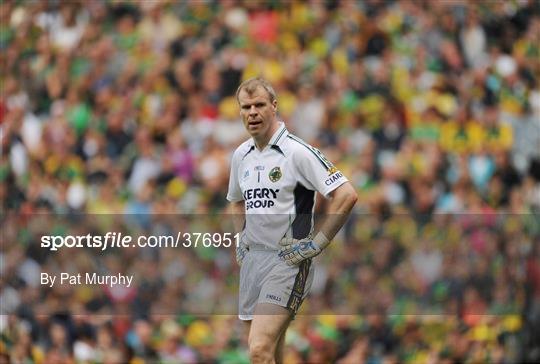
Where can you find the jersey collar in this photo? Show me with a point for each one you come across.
(279, 135)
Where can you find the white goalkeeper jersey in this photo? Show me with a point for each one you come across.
(278, 186)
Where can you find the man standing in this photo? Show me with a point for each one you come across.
(272, 187)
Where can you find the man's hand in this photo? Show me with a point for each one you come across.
(241, 251)
(293, 251)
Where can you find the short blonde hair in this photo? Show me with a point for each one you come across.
(251, 84)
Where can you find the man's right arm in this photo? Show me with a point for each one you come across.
(236, 209)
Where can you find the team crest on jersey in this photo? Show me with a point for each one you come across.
(332, 170)
(275, 174)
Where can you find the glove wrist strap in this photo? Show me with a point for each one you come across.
(321, 240)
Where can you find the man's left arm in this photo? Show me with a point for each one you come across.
(342, 200)
(317, 173)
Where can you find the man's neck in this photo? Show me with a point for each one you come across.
(262, 142)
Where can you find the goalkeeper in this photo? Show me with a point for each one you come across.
(272, 187)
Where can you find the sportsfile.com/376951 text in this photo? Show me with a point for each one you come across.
(120, 240)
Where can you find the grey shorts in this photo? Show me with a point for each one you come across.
(264, 278)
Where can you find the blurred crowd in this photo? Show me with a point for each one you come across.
(431, 108)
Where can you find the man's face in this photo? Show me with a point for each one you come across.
(258, 113)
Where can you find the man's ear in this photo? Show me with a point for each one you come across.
(274, 104)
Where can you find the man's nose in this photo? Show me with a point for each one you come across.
(253, 110)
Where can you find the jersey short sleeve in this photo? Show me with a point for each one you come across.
(234, 193)
(315, 172)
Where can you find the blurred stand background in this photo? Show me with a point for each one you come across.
(431, 108)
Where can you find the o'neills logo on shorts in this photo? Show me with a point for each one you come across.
(256, 198)
(273, 297)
